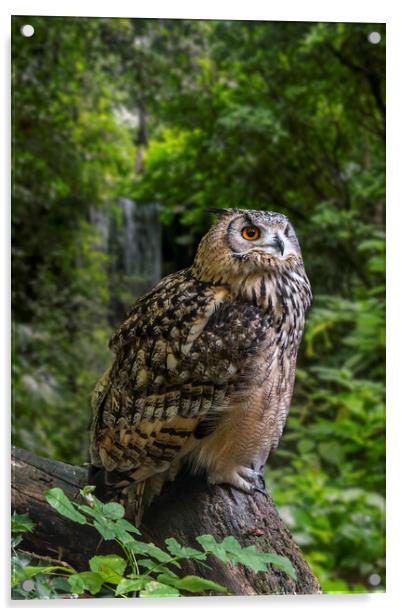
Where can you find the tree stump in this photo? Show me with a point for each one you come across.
(186, 509)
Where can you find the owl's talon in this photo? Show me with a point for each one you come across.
(262, 491)
(248, 473)
(242, 478)
(255, 477)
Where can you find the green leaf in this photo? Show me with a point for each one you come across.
(210, 545)
(87, 580)
(159, 554)
(231, 550)
(21, 523)
(130, 585)
(192, 583)
(106, 528)
(90, 511)
(280, 562)
(305, 445)
(148, 564)
(29, 572)
(114, 511)
(126, 525)
(139, 547)
(60, 583)
(16, 540)
(332, 452)
(178, 550)
(94, 513)
(76, 584)
(249, 557)
(232, 545)
(156, 589)
(110, 568)
(59, 501)
(122, 529)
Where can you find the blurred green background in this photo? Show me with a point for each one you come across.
(123, 132)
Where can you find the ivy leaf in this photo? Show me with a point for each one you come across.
(123, 528)
(21, 523)
(29, 572)
(126, 525)
(157, 553)
(59, 501)
(76, 584)
(178, 550)
(110, 568)
(156, 589)
(281, 562)
(94, 513)
(148, 564)
(113, 511)
(106, 528)
(130, 585)
(210, 545)
(251, 557)
(231, 550)
(231, 545)
(194, 583)
(60, 583)
(87, 580)
(139, 547)
(191, 583)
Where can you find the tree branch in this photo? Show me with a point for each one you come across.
(185, 509)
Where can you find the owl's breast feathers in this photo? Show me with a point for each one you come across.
(184, 351)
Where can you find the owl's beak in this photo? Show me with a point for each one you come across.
(277, 243)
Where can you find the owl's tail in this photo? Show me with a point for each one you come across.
(134, 501)
(135, 496)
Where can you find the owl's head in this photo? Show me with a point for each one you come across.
(244, 243)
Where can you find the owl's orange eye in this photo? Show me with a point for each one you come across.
(251, 233)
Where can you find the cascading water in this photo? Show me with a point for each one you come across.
(141, 244)
(132, 241)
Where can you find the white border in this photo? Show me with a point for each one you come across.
(308, 10)
(340, 10)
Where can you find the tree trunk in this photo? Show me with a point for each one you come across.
(185, 509)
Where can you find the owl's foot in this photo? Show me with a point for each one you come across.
(242, 478)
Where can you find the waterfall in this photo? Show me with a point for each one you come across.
(141, 243)
(100, 220)
(132, 238)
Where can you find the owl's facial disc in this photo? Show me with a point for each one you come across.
(266, 234)
(273, 245)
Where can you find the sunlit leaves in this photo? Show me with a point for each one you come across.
(57, 499)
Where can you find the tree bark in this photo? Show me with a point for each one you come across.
(185, 509)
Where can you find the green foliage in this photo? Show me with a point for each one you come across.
(283, 116)
(328, 477)
(33, 581)
(122, 575)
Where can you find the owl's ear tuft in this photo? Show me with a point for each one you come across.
(219, 211)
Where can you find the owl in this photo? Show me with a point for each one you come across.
(204, 365)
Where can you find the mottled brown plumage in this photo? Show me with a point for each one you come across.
(205, 363)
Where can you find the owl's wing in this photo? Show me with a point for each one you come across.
(178, 355)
